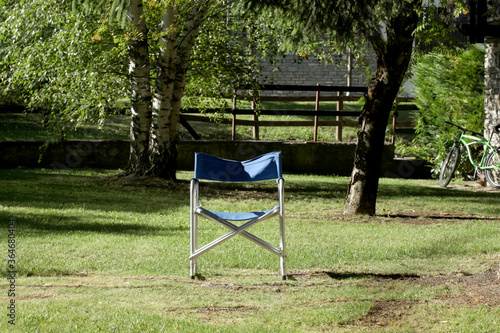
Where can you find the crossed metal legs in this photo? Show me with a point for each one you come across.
(235, 230)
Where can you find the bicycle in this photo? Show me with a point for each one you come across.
(490, 159)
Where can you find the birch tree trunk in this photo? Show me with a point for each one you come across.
(139, 69)
(186, 44)
(171, 78)
(393, 54)
(163, 152)
(154, 133)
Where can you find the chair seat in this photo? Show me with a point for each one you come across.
(240, 216)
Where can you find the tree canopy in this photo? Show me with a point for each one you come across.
(391, 28)
(340, 26)
(69, 58)
(58, 62)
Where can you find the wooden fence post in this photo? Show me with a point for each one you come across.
(316, 116)
(255, 118)
(340, 106)
(233, 124)
(393, 137)
(394, 120)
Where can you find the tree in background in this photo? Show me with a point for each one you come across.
(390, 27)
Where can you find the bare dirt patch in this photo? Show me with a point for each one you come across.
(477, 186)
(385, 312)
(467, 290)
(429, 217)
(206, 309)
(229, 286)
(482, 288)
(38, 296)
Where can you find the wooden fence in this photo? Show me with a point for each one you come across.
(342, 94)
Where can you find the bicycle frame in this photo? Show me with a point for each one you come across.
(469, 140)
(490, 159)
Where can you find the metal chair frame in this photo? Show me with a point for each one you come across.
(196, 210)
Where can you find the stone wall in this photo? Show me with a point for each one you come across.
(298, 157)
(492, 85)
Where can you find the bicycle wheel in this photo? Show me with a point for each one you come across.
(449, 166)
(492, 175)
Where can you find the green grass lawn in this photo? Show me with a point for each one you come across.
(95, 252)
(29, 126)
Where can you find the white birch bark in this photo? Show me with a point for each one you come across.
(154, 130)
(160, 143)
(172, 67)
(185, 48)
(140, 122)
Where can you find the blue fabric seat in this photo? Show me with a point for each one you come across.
(264, 167)
(211, 168)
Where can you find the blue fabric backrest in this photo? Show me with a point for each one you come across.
(264, 167)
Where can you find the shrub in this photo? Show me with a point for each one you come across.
(449, 87)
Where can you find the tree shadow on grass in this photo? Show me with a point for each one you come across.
(336, 189)
(356, 275)
(352, 276)
(30, 188)
(398, 190)
(42, 189)
(42, 224)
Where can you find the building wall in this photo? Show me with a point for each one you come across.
(309, 71)
(294, 70)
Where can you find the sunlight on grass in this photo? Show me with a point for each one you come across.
(100, 252)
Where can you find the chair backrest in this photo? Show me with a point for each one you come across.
(264, 167)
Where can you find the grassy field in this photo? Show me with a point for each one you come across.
(29, 126)
(99, 253)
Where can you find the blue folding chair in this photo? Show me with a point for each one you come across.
(264, 167)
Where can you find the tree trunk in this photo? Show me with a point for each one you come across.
(393, 57)
(163, 150)
(140, 121)
(363, 187)
(170, 83)
(154, 134)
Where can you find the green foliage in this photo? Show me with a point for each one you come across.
(69, 58)
(53, 59)
(329, 29)
(436, 25)
(116, 9)
(229, 52)
(449, 87)
(304, 21)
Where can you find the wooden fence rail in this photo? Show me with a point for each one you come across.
(193, 115)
